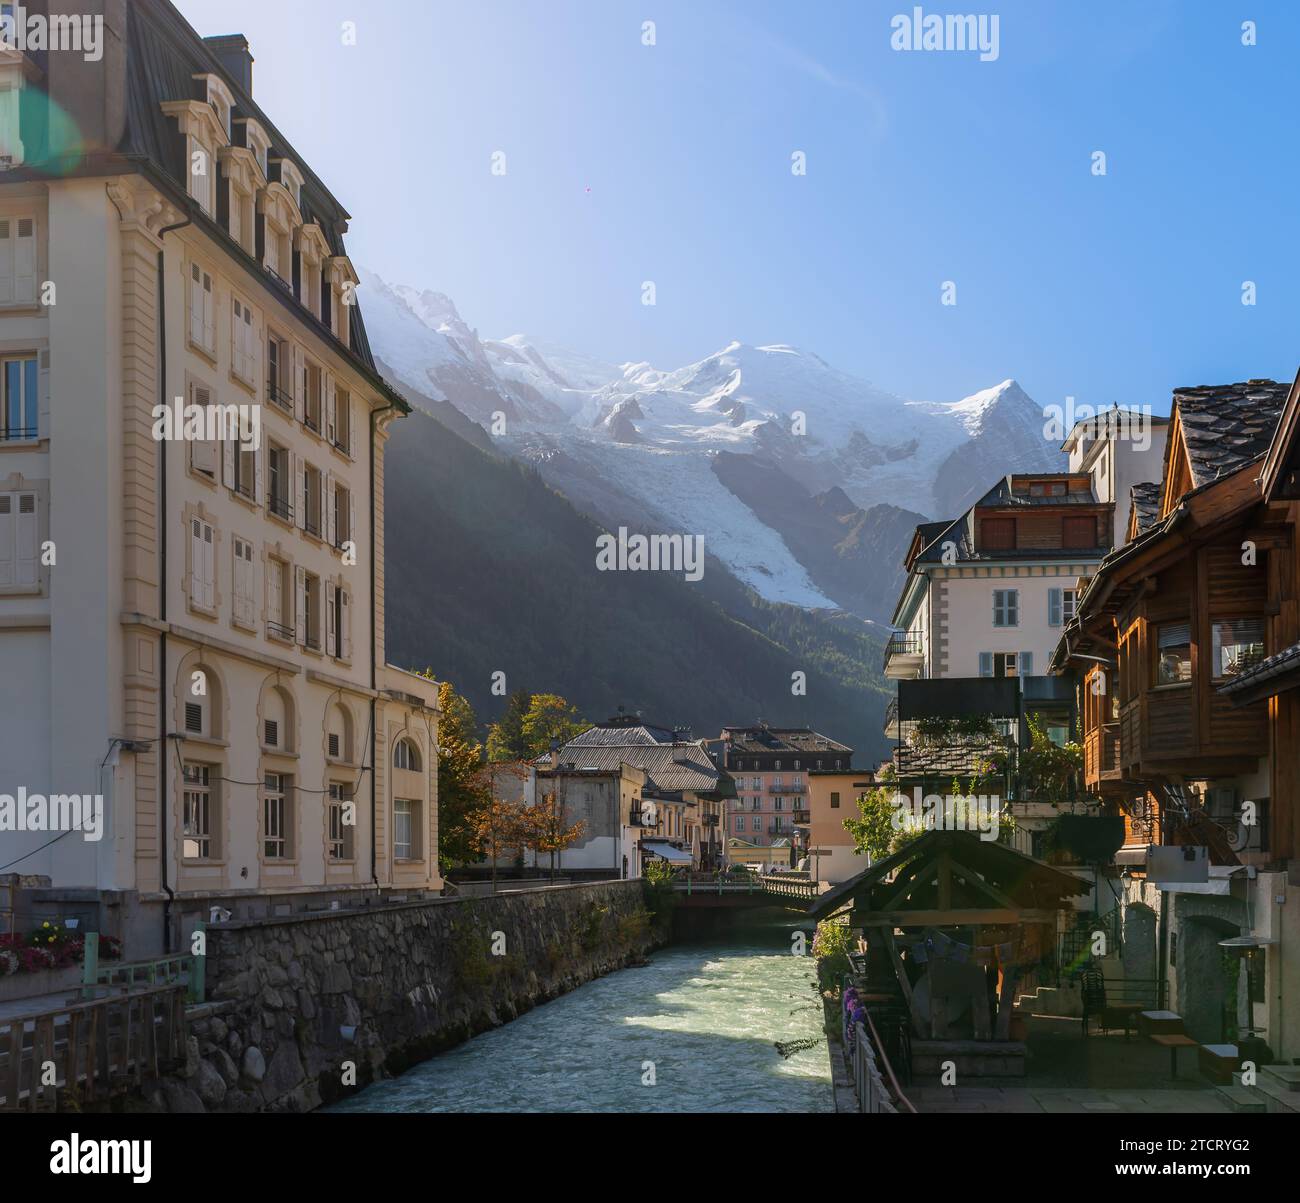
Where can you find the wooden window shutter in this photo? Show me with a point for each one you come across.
(209, 568)
(331, 623)
(1054, 607)
(196, 562)
(8, 263)
(345, 623)
(300, 614)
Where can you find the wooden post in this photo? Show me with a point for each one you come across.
(13, 1078)
(90, 965)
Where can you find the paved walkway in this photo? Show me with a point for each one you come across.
(1067, 1073)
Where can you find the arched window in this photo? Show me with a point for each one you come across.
(406, 756)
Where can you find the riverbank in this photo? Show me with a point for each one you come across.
(308, 1008)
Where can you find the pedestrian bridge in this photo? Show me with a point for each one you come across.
(733, 890)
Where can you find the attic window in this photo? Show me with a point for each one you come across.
(221, 100)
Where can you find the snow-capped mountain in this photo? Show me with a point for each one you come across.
(638, 445)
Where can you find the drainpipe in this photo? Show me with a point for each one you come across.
(374, 674)
(162, 594)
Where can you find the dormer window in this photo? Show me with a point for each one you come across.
(220, 98)
(204, 135)
(256, 140)
(291, 178)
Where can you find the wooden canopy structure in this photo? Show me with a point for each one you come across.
(967, 907)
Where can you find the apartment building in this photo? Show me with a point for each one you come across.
(191, 606)
(1120, 450)
(771, 767)
(827, 845)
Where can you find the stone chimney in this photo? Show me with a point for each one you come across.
(233, 54)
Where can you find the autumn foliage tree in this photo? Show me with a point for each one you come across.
(499, 825)
(545, 830)
(463, 790)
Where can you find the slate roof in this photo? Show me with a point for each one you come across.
(1280, 663)
(607, 736)
(669, 768)
(781, 739)
(1145, 499)
(1227, 426)
(161, 55)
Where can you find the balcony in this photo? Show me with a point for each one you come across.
(801, 818)
(647, 817)
(904, 657)
(277, 630)
(1101, 755)
(280, 507)
(281, 396)
(778, 829)
(19, 434)
(890, 726)
(709, 820)
(795, 787)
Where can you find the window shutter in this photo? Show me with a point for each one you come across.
(1054, 607)
(331, 425)
(196, 562)
(986, 664)
(300, 614)
(1175, 634)
(8, 523)
(324, 504)
(43, 393)
(209, 314)
(331, 626)
(345, 623)
(330, 497)
(25, 557)
(300, 477)
(228, 450)
(25, 262)
(299, 385)
(196, 305)
(8, 289)
(274, 600)
(209, 568)
(259, 460)
(1026, 664)
(352, 516)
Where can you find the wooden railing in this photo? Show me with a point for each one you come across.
(874, 1080)
(1101, 753)
(181, 968)
(90, 1050)
(731, 883)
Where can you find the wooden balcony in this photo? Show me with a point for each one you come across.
(1101, 756)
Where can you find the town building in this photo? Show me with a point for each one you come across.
(191, 608)
(1186, 652)
(770, 767)
(678, 815)
(828, 847)
(1120, 449)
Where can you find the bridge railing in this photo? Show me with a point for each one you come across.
(165, 971)
(731, 883)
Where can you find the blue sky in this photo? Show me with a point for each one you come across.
(671, 163)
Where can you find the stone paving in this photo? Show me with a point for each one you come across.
(1067, 1074)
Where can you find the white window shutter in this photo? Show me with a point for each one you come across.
(228, 452)
(986, 664)
(25, 261)
(43, 393)
(196, 562)
(329, 508)
(299, 386)
(300, 612)
(331, 425)
(331, 627)
(352, 516)
(259, 460)
(274, 600)
(1026, 664)
(1054, 607)
(196, 305)
(324, 503)
(300, 484)
(209, 314)
(345, 623)
(8, 284)
(8, 522)
(26, 560)
(209, 568)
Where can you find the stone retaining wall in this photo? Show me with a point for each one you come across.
(302, 1007)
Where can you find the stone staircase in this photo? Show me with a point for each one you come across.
(1066, 1000)
(1276, 1091)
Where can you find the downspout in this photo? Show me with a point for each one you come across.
(162, 594)
(374, 673)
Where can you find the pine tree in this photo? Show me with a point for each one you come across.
(506, 738)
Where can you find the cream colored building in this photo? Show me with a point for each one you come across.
(193, 627)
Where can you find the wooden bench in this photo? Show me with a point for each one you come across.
(1173, 1043)
(1218, 1062)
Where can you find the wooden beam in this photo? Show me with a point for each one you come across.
(976, 882)
(957, 917)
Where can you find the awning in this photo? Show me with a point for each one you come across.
(674, 856)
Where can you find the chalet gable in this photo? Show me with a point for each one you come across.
(1281, 475)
